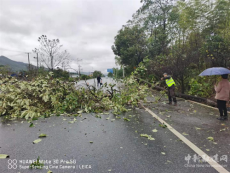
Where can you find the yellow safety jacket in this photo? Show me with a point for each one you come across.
(170, 82)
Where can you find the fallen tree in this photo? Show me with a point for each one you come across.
(185, 96)
(46, 96)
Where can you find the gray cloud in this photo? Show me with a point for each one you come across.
(86, 28)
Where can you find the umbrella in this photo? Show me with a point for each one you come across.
(215, 71)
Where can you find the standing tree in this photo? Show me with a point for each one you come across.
(110, 74)
(130, 46)
(50, 53)
(4, 70)
(97, 73)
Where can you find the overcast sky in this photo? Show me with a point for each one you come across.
(86, 28)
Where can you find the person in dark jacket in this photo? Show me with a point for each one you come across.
(171, 88)
(98, 81)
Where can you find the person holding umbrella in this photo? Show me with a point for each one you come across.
(222, 89)
(222, 96)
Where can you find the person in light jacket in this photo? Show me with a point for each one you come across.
(222, 96)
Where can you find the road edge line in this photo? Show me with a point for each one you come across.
(201, 104)
(208, 159)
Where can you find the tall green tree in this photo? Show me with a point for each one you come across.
(130, 46)
(97, 73)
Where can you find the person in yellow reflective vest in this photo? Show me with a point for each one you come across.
(171, 88)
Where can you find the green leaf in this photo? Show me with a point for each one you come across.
(147, 136)
(36, 141)
(163, 153)
(91, 142)
(31, 125)
(42, 135)
(163, 125)
(184, 133)
(98, 116)
(126, 119)
(154, 130)
(210, 138)
(4, 156)
(79, 112)
(49, 171)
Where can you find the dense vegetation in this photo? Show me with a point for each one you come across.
(181, 38)
(45, 96)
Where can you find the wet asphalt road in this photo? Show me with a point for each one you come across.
(110, 144)
(93, 82)
(117, 145)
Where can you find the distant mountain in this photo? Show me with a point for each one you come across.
(14, 65)
(18, 66)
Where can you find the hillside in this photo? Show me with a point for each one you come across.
(14, 65)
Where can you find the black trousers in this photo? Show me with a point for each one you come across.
(171, 94)
(222, 107)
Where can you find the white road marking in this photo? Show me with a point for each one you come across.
(208, 159)
(204, 105)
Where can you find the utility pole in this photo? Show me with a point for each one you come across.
(28, 61)
(52, 65)
(123, 71)
(63, 68)
(79, 66)
(37, 61)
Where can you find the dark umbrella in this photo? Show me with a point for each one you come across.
(215, 71)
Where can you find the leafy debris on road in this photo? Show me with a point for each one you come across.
(36, 141)
(42, 135)
(126, 119)
(184, 133)
(210, 138)
(31, 125)
(98, 116)
(36, 164)
(154, 130)
(147, 136)
(163, 125)
(4, 156)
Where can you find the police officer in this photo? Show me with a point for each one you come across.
(171, 88)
